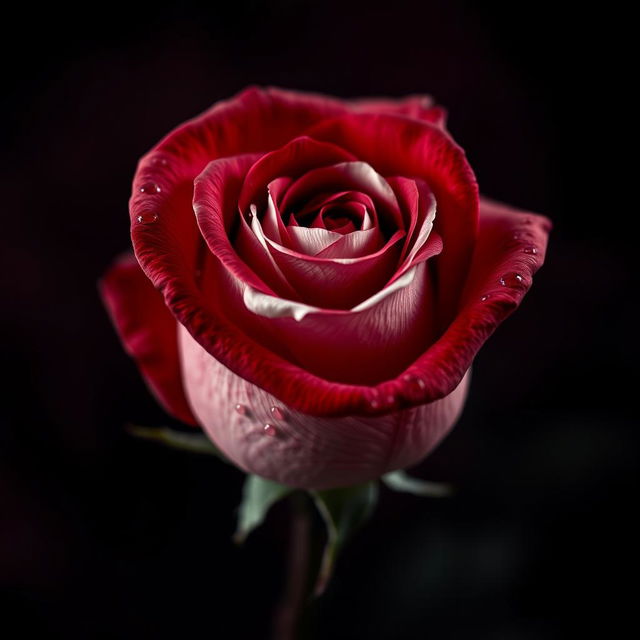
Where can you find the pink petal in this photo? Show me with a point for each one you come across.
(356, 244)
(304, 450)
(311, 240)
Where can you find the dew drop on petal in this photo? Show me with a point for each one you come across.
(150, 188)
(241, 409)
(414, 382)
(485, 297)
(270, 430)
(147, 218)
(278, 413)
(159, 160)
(374, 400)
(511, 280)
(532, 251)
(516, 236)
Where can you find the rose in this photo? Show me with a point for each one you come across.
(324, 274)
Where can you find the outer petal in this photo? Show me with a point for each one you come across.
(511, 248)
(420, 107)
(304, 450)
(148, 331)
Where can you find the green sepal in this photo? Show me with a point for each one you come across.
(193, 442)
(258, 496)
(343, 511)
(400, 481)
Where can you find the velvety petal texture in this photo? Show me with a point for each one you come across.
(263, 436)
(331, 273)
(148, 331)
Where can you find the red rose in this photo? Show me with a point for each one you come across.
(316, 278)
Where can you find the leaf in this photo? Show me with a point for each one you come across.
(400, 481)
(343, 511)
(258, 496)
(193, 442)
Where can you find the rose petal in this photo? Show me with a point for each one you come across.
(421, 107)
(398, 146)
(292, 161)
(316, 204)
(375, 341)
(215, 196)
(148, 332)
(337, 283)
(486, 301)
(311, 240)
(416, 197)
(356, 244)
(357, 176)
(302, 450)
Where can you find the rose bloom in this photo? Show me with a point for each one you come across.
(313, 278)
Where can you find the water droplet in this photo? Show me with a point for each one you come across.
(270, 430)
(416, 383)
(150, 188)
(511, 280)
(374, 400)
(532, 251)
(278, 413)
(485, 297)
(159, 160)
(147, 218)
(516, 236)
(241, 409)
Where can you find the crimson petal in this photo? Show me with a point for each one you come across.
(148, 331)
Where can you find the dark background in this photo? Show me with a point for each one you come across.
(102, 536)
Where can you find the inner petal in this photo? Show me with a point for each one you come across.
(343, 218)
(346, 176)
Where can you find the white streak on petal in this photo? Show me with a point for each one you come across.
(311, 240)
(271, 307)
(256, 227)
(400, 283)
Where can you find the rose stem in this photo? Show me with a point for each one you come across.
(290, 609)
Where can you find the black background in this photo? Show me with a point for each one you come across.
(102, 536)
